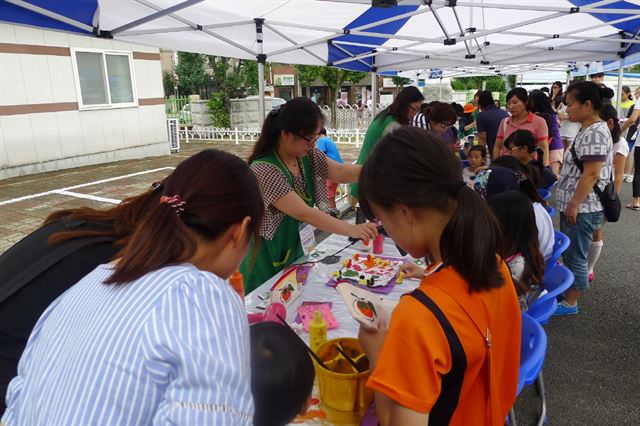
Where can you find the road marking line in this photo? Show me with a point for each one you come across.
(88, 197)
(96, 182)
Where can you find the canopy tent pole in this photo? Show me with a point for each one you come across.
(262, 59)
(619, 91)
(568, 78)
(374, 93)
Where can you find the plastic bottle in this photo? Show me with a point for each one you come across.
(317, 331)
(237, 282)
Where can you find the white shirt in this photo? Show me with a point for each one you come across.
(546, 233)
(171, 347)
(622, 147)
(568, 129)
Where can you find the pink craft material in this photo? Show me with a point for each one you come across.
(306, 314)
(378, 244)
(270, 314)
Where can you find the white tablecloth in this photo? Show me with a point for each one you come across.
(316, 290)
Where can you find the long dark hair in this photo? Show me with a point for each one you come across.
(540, 104)
(517, 219)
(300, 116)
(281, 374)
(609, 112)
(413, 167)
(119, 221)
(528, 177)
(165, 236)
(442, 113)
(584, 91)
(398, 109)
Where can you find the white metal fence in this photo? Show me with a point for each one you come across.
(237, 136)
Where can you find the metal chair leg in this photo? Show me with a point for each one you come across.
(543, 398)
(512, 418)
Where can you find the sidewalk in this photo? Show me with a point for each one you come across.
(20, 216)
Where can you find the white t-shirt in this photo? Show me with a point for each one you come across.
(622, 147)
(568, 129)
(546, 233)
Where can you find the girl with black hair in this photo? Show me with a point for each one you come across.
(522, 146)
(292, 175)
(282, 374)
(556, 94)
(520, 243)
(431, 366)
(541, 106)
(522, 118)
(401, 112)
(581, 212)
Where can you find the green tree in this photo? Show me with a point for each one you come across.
(191, 73)
(333, 78)
(307, 74)
(400, 81)
(167, 83)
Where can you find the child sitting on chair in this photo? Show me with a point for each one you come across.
(520, 245)
(522, 146)
(282, 374)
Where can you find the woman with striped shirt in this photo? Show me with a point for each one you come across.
(157, 336)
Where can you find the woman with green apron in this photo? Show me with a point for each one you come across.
(401, 112)
(291, 174)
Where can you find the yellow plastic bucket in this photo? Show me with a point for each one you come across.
(342, 387)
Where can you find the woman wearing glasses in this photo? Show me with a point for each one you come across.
(291, 174)
(402, 111)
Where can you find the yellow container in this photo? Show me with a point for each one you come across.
(343, 388)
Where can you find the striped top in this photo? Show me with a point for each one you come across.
(169, 348)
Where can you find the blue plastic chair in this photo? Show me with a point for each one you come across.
(533, 347)
(556, 281)
(552, 211)
(544, 193)
(560, 245)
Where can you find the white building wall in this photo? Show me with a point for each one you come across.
(37, 136)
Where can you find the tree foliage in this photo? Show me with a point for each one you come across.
(400, 81)
(191, 71)
(307, 74)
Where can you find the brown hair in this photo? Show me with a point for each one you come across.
(218, 189)
(120, 220)
(413, 167)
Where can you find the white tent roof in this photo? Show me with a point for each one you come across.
(476, 35)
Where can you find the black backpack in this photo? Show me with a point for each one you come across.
(15, 275)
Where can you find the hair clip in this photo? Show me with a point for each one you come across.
(174, 202)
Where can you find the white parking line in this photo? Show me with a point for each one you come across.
(88, 197)
(75, 194)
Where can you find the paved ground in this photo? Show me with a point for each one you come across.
(592, 369)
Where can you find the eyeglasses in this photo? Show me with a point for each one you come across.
(514, 148)
(310, 140)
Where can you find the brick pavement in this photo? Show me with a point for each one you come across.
(22, 217)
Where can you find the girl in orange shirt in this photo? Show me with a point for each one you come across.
(451, 353)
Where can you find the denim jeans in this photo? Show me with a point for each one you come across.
(580, 234)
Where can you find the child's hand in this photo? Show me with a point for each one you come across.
(371, 341)
(411, 270)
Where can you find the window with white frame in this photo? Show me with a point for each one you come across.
(104, 79)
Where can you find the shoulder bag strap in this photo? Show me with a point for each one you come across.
(442, 411)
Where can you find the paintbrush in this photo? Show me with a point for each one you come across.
(352, 362)
(311, 352)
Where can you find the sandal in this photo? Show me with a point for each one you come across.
(633, 207)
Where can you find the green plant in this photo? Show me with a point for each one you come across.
(307, 74)
(191, 73)
(400, 81)
(218, 111)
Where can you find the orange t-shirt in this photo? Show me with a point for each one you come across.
(416, 353)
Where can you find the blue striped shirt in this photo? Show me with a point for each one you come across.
(169, 348)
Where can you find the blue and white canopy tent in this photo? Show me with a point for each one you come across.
(459, 36)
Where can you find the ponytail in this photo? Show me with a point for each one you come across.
(299, 116)
(412, 167)
(194, 207)
(471, 240)
(172, 244)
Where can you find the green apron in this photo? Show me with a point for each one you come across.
(285, 247)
